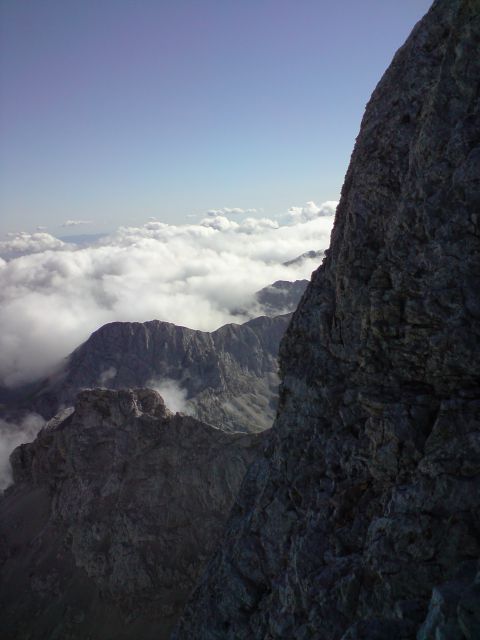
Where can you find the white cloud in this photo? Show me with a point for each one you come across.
(75, 223)
(220, 223)
(106, 376)
(225, 211)
(174, 395)
(11, 436)
(22, 243)
(196, 275)
(310, 210)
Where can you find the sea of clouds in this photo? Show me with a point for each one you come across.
(54, 294)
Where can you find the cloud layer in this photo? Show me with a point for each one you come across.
(194, 275)
(310, 211)
(22, 243)
(225, 211)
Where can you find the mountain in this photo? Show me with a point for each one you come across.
(361, 521)
(227, 377)
(280, 297)
(308, 255)
(116, 506)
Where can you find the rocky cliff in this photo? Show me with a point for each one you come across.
(365, 506)
(114, 510)
(228, 377)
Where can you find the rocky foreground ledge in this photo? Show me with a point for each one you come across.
(114, 509)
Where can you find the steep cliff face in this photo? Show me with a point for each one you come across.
(114, 510)
(367, 497)
(228, 378)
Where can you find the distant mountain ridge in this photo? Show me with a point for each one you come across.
(227, 377)
(282, 296)
(308, 255)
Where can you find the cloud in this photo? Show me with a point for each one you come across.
(174, 396)
(310, 210)
(11, 436)
(75, 223)
(225, 211)
(22, 243)
(196, 275)
(106, 376)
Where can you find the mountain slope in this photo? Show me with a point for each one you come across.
(281, 296)
(367, 497)
(227, 377)
(114, 510)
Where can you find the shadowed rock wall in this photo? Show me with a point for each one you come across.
(367, 497)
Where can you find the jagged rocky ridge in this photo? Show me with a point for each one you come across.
(366, 503)
(229, 376)
(114, 510)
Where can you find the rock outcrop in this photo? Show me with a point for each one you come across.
(365, 505)
(114, 510)
(228, 378)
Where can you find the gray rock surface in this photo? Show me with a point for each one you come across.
(114, 510)
(228, 378)
(280, 297)
(367, 499)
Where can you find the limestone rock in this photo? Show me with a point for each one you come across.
(115, 508)
(228, 378)
(367, 498)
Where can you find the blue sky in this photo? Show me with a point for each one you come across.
(118, 110)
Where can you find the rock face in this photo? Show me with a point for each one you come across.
(114, 510)
(366, 503)
(228, 378)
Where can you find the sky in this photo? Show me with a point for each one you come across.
(118, 111)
